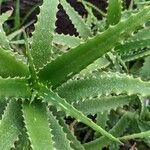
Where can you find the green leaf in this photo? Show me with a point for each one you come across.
(12, 35)
(17, 15)
(145, 134)
(132, 50)
(4, 40)
(10, 66)
(103, 84)
(14, 87)
(4, 43)
(117, 130)
(142, 34)
(101, 120)
(145, 73)
(10, 125)
(75, 144)
(144, 126)
(4, 16)
(77, 21)
(23, 143)
(18, 42)
(90, 7)
(2, 106)
(95, 105)
(98, 64)
(85, 54)
(113, 12)
(37, 125)
(43, 35)
(60, 39)
(60, 140)
(54, 99)
(70, 41)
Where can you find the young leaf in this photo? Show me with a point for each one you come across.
(4, 40)
(4, 43)
(36, 121)
(87, 53)
(43, 35)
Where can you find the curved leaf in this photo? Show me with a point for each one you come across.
(87, 53)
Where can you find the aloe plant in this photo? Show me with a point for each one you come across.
(45, 85)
